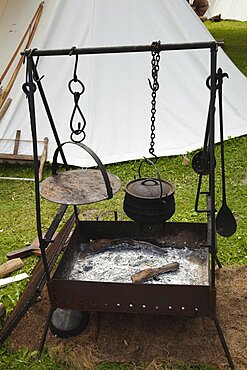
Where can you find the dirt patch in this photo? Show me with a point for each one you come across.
(244, 181)
(147, 339)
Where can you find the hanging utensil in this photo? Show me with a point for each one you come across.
(225, 222)
(201, 160)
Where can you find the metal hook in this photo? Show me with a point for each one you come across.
(219, 79)
(156, 47)
(75, 68)
(31, 51)
(34, 76)
(76, 62)
(150, 163)
(37, 61)
(71, 52)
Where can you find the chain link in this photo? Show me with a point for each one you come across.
(154, 87)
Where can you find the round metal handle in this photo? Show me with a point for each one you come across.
(150, 182)
(148, 161)
(94, 156)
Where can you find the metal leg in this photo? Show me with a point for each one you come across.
(223, 342)
(218, 262)
(45, 331)
(99, 315)
(76, 213)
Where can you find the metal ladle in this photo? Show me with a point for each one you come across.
(225, 221)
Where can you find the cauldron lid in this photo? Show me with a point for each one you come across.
(149, 188)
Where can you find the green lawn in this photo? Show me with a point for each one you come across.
(234, 35)
(17, 207)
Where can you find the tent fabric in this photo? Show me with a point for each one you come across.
(229, 9)
(117, 98)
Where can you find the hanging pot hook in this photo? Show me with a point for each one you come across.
(154, 86)
(152, 163)
(75, 68)
(77, 88)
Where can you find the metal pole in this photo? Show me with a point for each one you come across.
(214, 50)
(48, 112)
(120, 49)
(30, 89)
(223, 342)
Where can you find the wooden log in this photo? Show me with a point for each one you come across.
(16, 157)
(40, 8)
(149, 273)
(43, 158)
(5, 108)
(17, 142)
(16, 178)
(31, 31)
(10, 266)
(12, 279)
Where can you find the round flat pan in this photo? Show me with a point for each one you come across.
(78, 187)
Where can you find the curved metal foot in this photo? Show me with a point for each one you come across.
(223, 342)
(47, 324)
(218, 262)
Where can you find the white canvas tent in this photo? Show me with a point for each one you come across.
(117, 100)
(229, 9)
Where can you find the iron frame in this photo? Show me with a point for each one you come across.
(33, 79)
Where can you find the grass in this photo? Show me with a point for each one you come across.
(234, 35)
(17, 207)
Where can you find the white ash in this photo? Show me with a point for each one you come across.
(117, 264)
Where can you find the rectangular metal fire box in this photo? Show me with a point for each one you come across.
(95, 271)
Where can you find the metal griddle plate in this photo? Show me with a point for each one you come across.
(78, 187)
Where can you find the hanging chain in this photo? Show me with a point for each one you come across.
(76, 88)
(154, 87)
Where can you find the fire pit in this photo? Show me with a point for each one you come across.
(95, 272)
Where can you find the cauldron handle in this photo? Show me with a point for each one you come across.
(148, 161)
(153, 181)
(94, 156)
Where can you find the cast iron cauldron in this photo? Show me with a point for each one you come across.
(149, 200)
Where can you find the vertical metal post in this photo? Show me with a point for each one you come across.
(48, 112)
(214, 50)
(30, 89)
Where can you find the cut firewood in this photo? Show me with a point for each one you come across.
(5, 108)
(43, 158)
(10, 266)
(12, 279)
(149, 273)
